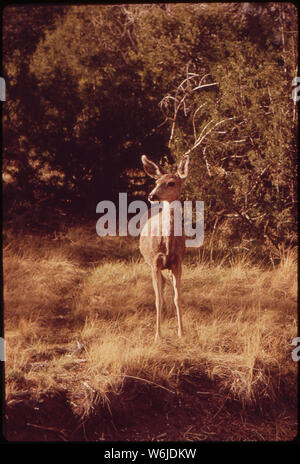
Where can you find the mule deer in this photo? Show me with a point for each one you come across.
(162, 251)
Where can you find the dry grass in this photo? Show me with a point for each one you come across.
(79, 316)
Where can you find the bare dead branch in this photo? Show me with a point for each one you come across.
(203, 135)
(206, 162)
(175, 117)
(205, 85)
(181, 101)
(194, 115)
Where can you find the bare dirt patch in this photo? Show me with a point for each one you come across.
(197, 411)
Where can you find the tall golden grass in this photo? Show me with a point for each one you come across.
(80, 316)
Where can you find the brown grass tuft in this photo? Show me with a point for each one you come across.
(84, 326)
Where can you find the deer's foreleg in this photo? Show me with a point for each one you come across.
(175, 276)
(157, 279)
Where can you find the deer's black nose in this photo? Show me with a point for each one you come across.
(152, 197)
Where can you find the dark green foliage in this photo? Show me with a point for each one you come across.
(92, 88)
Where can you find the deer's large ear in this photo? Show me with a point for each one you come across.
(183, 167)
(151, 168)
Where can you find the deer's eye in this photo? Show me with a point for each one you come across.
(171, 184)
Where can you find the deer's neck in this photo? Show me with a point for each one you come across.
(167, 223)
(167, 220)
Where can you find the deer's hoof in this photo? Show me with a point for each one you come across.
(157, 337)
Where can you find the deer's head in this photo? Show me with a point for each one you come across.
(168, 186)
